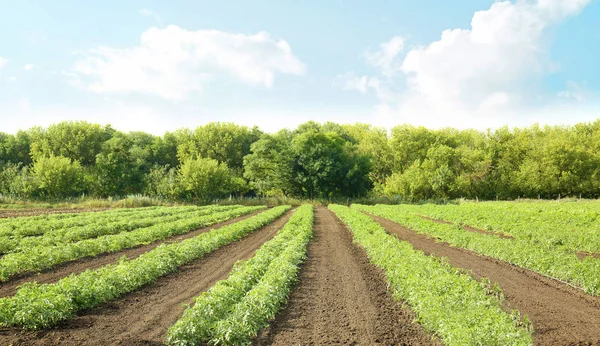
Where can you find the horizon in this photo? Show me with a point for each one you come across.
(157, 67)
(388, 129)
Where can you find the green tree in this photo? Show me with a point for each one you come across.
(269, 166)
(204, 179)
(78, 140)
(308, 162)
(57, 177)
(120, 168)
(15, 148)
(162, 181)
(224, 142)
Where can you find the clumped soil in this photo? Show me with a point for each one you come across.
(341, 298)
(143, 317)
(78, 266)
(561, 315)
(469, 228)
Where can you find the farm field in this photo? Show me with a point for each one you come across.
(489, 273)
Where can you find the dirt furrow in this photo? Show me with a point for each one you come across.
(341, 298)
(80, 265)
(561, 315)
(469, 228)
(143, 317)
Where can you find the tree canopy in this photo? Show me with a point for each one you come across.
(312, 161)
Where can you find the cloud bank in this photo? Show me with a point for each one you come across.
(484, 74)
(174, 62)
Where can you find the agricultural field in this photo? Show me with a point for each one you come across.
(489, 273)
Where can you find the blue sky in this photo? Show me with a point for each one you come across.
(158, 66)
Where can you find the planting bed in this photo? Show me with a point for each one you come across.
(383, 275)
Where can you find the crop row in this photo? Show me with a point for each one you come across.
(550, 261)
(64, 216)
(448, 302)
(43, 305)
(25, 227)
(99, 228)
(548, 224)
(236, 309)
(42, 257)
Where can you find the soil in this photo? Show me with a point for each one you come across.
(341, 298)
(469, 228)
(5, 213)
(54, 274)
(584, 254)
(561, 315)
(143, 317)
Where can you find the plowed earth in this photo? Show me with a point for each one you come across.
(143, 317)
(341, 299)
(561, 315)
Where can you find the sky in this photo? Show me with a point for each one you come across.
(157, 66)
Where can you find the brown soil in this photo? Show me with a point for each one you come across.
(80, 265)
(584, 254)
(469, 228)
(5, 213)
(143, 317)
(341, 298)
(561, 315)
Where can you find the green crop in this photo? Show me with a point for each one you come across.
(555, 262)
(447, 301)
(573, 226)
(38, 225)
(124, 223)
(37, 306)
(42, 257)
(236, 309)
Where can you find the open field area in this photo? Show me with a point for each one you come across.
(210, 173)
(489, 273)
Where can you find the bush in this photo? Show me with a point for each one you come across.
(57, 177)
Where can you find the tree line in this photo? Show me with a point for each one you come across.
(314, 160)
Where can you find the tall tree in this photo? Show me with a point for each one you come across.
(77, 140)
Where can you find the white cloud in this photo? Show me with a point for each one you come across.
(173, 62)
(349, 81)
(503, 48)
(29, 67)
(151, 14)
(574, 92)
(3, 62)
(12, 79)
(385, 57)
(486, 72)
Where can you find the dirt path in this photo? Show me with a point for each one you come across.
(143, 317)
(78, 266)
(341, 298)
(561, 315)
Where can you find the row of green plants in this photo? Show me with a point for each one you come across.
(555, 262)
(447, 301)
(37, 306)
(43, 257)
(571, 225)
(38, 225)
(126, 223)
(234, 310)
